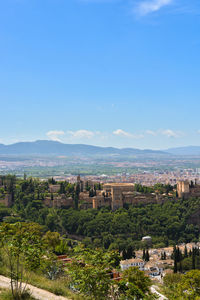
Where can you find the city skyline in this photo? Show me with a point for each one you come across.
(100, 72)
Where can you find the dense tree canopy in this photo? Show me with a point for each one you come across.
(167, 223)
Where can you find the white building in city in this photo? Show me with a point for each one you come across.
(133, 262)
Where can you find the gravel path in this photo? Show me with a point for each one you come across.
(154, 291)
(37, 293)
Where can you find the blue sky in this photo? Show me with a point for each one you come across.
(122, 73)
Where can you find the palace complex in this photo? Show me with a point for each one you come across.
(90, 194)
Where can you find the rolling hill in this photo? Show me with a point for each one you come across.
(189, 150)
(45, 147)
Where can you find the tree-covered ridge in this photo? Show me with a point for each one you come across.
(167, 223)
(100, 230)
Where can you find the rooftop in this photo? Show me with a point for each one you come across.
(118, 184)
(131, 261)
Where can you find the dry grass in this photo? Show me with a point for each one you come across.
(58, 287)
(7, 295)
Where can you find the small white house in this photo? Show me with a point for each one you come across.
(133, 262)
(153, 270)
(147, 239)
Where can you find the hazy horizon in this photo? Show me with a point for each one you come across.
(96, 145)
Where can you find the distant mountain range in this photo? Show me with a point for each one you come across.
(45, 147)
(189, 150)
(56, 148)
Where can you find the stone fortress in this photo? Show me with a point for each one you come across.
(56, 200)
(117, 195)
(114, 195)
(186, 189)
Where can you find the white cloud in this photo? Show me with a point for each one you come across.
(171, 134)
(122, 133)
(54, 135)
(149, 6)
(166, 132)
(145, 7)
(151, 132)
(82, 133)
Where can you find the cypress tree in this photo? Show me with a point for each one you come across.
(180, 267)
(178, 254)
(147, 256)
(173, 253)
(144, 255)
(129, 252)
(175, 263)
(95, 193)
(124, 254)
(185, 252)
(77, 190)
(193, 260)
